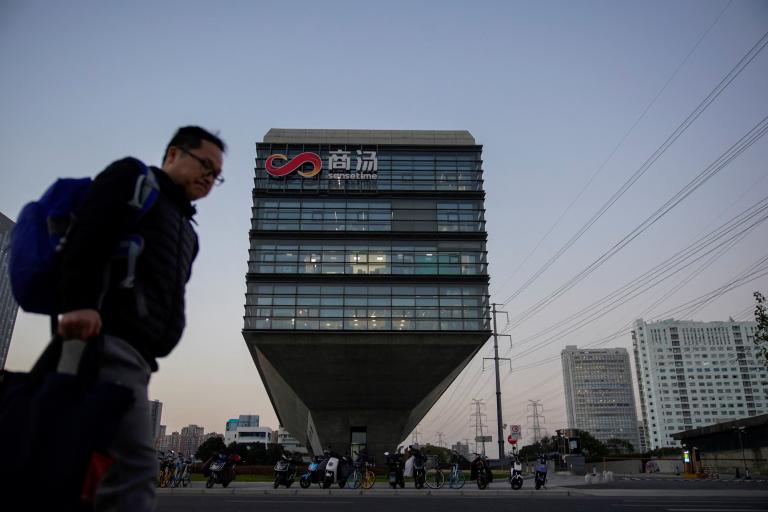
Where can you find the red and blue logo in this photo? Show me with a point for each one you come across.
(293, 164)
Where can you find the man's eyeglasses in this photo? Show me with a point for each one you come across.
(207, 165)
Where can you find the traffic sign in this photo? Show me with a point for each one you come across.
(516, 432)
(483, 439)
(511, 440)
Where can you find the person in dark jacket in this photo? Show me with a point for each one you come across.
(135, 304)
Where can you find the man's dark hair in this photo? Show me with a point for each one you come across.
(192, 137)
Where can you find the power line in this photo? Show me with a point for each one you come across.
(756, 270)
(700, 108)
(616, 148)
(721, 162)
(641, 288)
(744, 222)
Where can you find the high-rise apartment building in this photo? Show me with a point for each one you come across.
(693, 374)
(155, 414)
(598, 393)
(367, 285)
(192, 437)
(8, 306)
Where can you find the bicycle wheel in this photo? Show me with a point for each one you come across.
(457, 480)
(369, 478)
(354, 481)
(435, 479)
(165, 481)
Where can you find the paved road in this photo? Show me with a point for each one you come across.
(562, 494)
(468, 502)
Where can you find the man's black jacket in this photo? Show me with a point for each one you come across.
(150, 316)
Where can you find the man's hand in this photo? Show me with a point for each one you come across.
(81, 324)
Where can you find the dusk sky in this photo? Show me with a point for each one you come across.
(568, 98)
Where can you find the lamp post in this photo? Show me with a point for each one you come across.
(740, 432)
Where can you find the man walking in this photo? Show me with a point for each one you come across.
(135, 301)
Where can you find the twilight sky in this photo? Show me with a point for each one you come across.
(569, 99)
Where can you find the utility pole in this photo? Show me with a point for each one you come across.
(535, 404)
(495, 358)
(740, 431)
(479, 425)
(415, 438)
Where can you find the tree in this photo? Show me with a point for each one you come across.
(618, 446)
(209, 448)
(443, 454)
(761, 334)
(274, 451)
(257, 454)
(544, 446)
(592, 447)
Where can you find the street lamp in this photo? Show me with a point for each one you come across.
(740, 432)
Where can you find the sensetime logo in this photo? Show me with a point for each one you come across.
(294, 164)
(339, 165)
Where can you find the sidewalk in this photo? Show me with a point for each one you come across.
(557, 485)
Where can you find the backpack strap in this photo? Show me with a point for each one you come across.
(130, 249)
(145, 192)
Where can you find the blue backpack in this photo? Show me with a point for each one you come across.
(41, 230)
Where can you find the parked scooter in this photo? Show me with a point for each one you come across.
(540, 474)
(395, 469)
(337, 470)
(220, 469)
(313, 473)
(285, 472)
(480, 471)
(515, 472)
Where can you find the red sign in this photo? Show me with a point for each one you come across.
(511, 440)
(293, 164)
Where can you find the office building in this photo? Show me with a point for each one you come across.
(367, 285)
(694, 374)
(245, 430)
(598, 393)
(8, 306)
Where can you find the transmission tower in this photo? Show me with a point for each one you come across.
(537, 418)
(479, 423)
(440, 439)
(415, 438)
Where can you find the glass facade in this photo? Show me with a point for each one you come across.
(372, 257)
(599, 394)
(398, 169)
(366, 307)
(398, 246)
(8, 306)
(368, 215)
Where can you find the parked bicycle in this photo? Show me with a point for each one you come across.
(361, 476)
(456, 477)
(167, 468)
(435, 479)
(181, 474)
